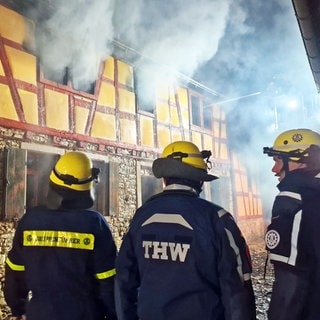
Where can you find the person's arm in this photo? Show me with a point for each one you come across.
(282, 233)
(104, 256)
(15, 289)
(290, 288)
(127, 281)
(235, 271)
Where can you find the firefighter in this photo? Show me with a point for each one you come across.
(61, 265)
(293, 236)
(183, 257)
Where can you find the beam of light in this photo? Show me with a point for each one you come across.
(233, 99)
(238, 98)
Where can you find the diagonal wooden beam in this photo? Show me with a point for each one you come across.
(11, 82)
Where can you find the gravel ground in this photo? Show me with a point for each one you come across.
(262, 279)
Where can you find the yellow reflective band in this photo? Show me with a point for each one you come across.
(105, 275)
(61, 239)
(14, 267)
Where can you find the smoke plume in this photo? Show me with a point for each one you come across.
(238, 48)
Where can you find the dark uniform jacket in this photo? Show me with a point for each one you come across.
(64, 261)
(184, 258)
(293, 239)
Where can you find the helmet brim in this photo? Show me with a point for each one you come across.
(171, 168)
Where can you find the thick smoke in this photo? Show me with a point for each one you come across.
(269, 59)
(180, 36)
(238, 48)
(73, 37)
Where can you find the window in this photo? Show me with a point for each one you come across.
(66, 78)
(149, 187)
(27, 182)
(195, 110)
(101, 189)
(201, 112)
(207, 117)
(145, 91)
(39, 166)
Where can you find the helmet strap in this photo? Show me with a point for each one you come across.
(204, 154)
(178, 155)
(69, 179)
(285, 166)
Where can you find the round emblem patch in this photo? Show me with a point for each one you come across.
(272, 239)
(297, 137)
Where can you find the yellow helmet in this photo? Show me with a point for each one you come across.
(186, 152)
(183, 159)
(74, 171)
(293, 144)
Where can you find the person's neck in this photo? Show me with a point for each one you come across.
(176, 186)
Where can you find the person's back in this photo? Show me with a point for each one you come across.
(183, 258)
(179, 240)
(60, 273)
(61, 265)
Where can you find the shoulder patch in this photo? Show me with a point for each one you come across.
(272, 239)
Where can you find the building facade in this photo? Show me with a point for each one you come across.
(115, 125)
